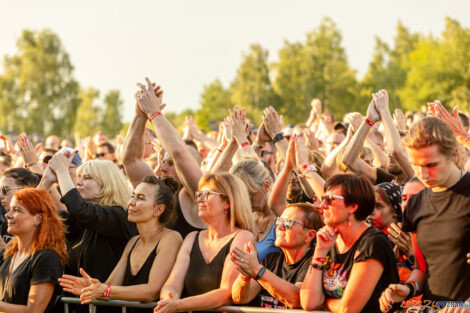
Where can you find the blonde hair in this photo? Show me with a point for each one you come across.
(232, 188)
(431, 131)
(114, 189)
(252, 174)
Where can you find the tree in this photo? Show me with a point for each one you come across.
(215, 102)
(88, 113)
(37, 88)
(111, 120)
(252, 86)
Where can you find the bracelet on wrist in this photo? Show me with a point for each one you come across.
(369, 122)
(260, 273)
(244, 144)
(107, 292)
(154, 115)
(278, 137)
(245, 278)
(318, 266)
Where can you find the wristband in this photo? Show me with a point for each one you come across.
(278, 137)
(107, 292)
(246, 143)
(245, 278)
(154, 115)
(320, 260)
(412, 290)
(369, 122)
(318, 266)
(260, 273)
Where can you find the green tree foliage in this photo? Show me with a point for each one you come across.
(37, 88)
(252, 86)
(88, 113)
(215, 101)
(111, 120)
(439, 69)
(317, 68)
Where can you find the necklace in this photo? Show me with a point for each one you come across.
(262, 230)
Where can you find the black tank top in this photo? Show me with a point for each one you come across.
(203, 277)
(181, 225)
(142, 276)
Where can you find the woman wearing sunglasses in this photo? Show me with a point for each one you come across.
(203, 274)
(32, 261)
(275, 283)
(353, 262)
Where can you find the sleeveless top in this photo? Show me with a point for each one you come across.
(203, 277)
(266, 245)
(142, 276)
(181, 225)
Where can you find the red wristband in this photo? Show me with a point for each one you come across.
(154, 115)
(369, 122)
(246, 143)
(244, 278)
(320, 260)
(107, 292)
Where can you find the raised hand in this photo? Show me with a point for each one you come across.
(150, 99)
(301, 152)
(227, 127)
(291, 153)
(272, 122)
(238, 124)
(438, 110)
(381, 102)
(399, 120)
(262, 135)
(27, 151)
(355, 120)
(61, 162)
(310, 141)
(372, 113)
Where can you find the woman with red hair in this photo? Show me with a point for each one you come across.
(32, 261)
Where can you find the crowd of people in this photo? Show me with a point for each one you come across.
(367, 214)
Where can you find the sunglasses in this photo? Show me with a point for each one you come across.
(330, 198)
(204, 195)
(4, 189)
(288, 224)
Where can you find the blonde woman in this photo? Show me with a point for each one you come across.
(203, 275)
(98, 229)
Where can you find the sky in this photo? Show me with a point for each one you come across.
(184, 45)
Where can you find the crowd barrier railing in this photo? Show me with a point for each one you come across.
(150, 305)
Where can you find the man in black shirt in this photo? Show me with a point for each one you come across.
(440, 214)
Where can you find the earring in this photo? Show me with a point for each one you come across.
(350, 218)
(36, 225)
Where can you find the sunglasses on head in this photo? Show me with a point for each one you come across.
(203, 195)
(287, 223)
(4, 189)
(330, 198)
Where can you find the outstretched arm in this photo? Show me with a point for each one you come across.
(133, 152)
(187, 168)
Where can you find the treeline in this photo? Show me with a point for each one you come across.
(39, 93)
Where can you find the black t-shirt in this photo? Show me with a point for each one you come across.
(383, 176)
(4, 225)
(442, 223)
(372, 244)
(293, 273)
(44, 266)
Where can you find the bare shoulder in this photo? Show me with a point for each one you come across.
(242, 237)
(171, 237)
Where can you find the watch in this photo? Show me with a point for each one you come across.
(278, 137)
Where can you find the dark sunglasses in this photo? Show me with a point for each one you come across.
(264, 152)
(288, 224)
(4, 189)
(330, 198)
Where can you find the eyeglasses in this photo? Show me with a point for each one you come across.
(287, 223)
(330, 198)
(4, 189)
(203, 195)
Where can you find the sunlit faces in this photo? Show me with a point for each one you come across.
(297, 235)
(410, 189)
(8, 188)
(335, 211)
(87, 186)
(383, 214)
(333, 141)
(141, 207)
(215, 204)
(168, 167)
(431, 166)
(20, 221)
